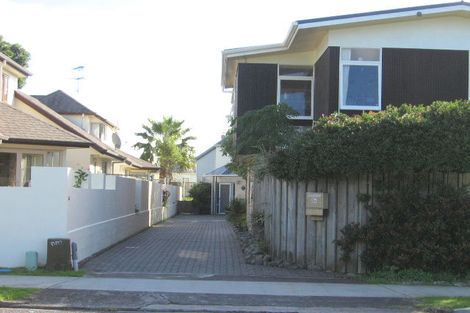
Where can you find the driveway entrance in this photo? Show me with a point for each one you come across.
(186, 246)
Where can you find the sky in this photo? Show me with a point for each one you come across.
(148, 59)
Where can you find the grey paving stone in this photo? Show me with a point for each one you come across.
(187, 246)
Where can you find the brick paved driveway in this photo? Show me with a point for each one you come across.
(194, 246)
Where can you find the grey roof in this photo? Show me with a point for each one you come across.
(19, 127)
(399, 10)
(97, 144)
(221, 171)
(62, 103)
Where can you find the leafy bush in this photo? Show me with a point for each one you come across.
(201, 194)
(255, 135)
(236, 213)
(80, 177)
(397, 140)
(409, 229)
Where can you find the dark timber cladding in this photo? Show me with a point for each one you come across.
(421, 76)
(326, 83)
(256, 87)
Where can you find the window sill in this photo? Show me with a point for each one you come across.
(301, 117)
(360, 108)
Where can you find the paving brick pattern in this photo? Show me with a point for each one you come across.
(186, 245)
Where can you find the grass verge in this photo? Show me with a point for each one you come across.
(43, 272)
(444, 302)
(413, 277)
(9, 294)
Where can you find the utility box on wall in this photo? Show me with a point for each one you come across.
(316, 205)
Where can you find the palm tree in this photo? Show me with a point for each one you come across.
(166, 144)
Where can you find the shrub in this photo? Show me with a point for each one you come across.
(398, 140)
(255, 135)
(201, 194)
(236, 213)
(409, 229)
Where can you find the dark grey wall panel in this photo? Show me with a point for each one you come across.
(257, 86)
(421, 76)
(326, 83)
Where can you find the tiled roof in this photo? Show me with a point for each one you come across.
(97, 144)
(19, 127)
(66, 124)
(139, 163)
(62, 103)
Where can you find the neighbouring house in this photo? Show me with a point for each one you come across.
(209, 160)
(10, 73)
(355, 63)
(211, 167)
(104, 155)
(25, 140)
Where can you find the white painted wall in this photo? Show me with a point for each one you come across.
(449, 32)
(81, 121)
(94, 218)
(220, 158)
(12, 86)
(211, 161)
(205, 164)
(78, 158)
(29, 216)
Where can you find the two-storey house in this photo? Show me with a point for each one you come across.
(25, 140)
(355, 63)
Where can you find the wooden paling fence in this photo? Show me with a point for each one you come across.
(295, 238)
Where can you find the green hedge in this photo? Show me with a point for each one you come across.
(396, 140)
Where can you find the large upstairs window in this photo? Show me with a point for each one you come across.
(360, 79)
(295, 86)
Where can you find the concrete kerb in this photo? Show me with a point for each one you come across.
(232, 287)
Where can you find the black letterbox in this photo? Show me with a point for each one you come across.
(58, 254)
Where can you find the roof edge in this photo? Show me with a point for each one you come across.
(15, 65)
(47, 142)
(330, 21)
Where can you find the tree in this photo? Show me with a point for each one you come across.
(166, 144)
(254, 136)
(17, 53)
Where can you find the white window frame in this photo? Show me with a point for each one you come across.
(19, 157)
(378, 64)
(304, 78)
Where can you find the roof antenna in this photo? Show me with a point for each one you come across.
(78, 70)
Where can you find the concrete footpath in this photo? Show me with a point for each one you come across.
(164, 295)
(233, 287)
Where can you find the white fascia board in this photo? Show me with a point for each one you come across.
(384, 16)
(237, 52)
(254, 50)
